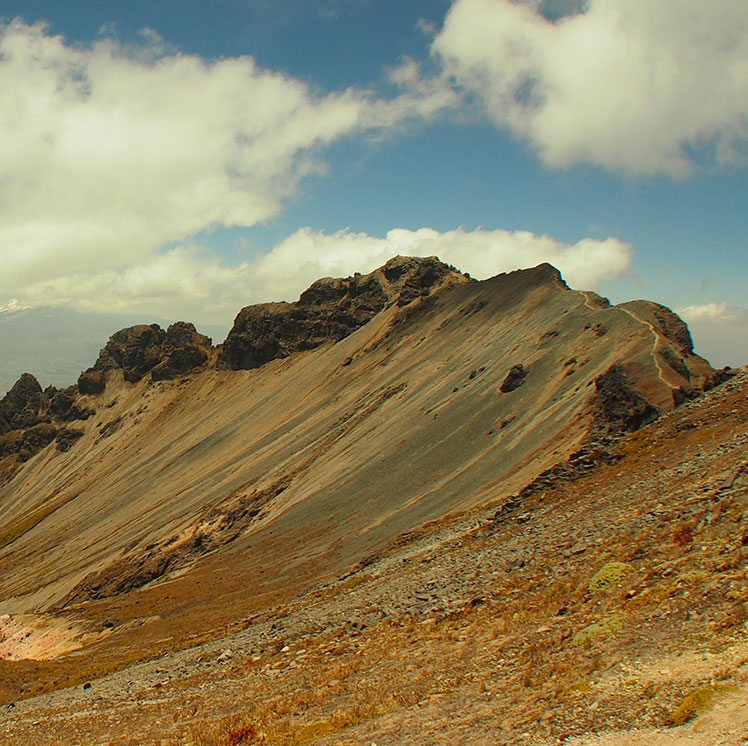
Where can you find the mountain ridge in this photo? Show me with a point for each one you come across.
(623, 395)
(179, 504)
(328, 311)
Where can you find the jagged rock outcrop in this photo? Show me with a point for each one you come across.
(62, 404)
(184, 350)
(329, 310)
(31, 418)
(617, 407)
(23, 406)
(514, 378)
(138, 350)
(92, 381)
(134, 350)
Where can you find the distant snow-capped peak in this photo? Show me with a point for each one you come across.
(13, 305)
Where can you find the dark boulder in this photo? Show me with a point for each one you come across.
(92, 381)
(67, 437)
(184, 334)
(134, 350)
(617, 407)
(184, 349)
(514, 378)
(35, 438)
(23, 444)
(62, 404)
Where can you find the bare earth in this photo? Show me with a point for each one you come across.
(341, 547)
(465, 632)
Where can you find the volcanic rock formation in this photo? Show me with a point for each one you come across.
(329, 311)
(30, 419)
(199, 492)
(23, 406)
(144, 348)
(371, 405)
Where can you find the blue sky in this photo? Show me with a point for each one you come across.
(185, 159)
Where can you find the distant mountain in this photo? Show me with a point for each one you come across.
(54, 344)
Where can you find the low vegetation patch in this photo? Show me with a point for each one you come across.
(698, 702)
(598, 629)
(608, 575)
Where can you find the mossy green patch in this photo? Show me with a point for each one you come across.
(315, 730)
(353, 581)
(609, 574)
(699, 701)
(583, 686)
(598, 629)
(693, 577)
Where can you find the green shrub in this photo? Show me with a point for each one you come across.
(697, 702)
(609, 574)
(598, 629)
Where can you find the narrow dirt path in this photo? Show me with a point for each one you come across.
(655, 343)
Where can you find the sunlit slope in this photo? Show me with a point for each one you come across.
(340, 448)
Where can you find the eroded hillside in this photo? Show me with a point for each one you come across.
(605, 609)
(373, 406)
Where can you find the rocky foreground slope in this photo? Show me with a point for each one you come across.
(219, 499)
(606, 609)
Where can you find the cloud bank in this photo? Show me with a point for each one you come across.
(307, 255)
(635, 86)
(192, 283)
(106, 154)
(113, 156)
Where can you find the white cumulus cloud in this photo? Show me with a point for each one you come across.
(709, 311)
(306, 255)
(108, 152)
(639, 86)
(193, 283)
(719, 330)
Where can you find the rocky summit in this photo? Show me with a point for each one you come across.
(143, 349)
(409, 507)
(329, 310)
